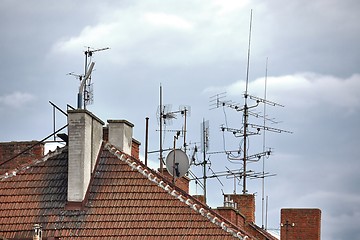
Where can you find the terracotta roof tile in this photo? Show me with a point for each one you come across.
(123, 202)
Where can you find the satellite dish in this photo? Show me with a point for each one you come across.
(177, 163)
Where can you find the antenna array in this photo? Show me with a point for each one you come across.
(165, 117)
(86, 90)
(219, 101)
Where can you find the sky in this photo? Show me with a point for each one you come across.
(195, 50)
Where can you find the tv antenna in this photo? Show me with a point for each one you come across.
(165, 117)
(86, 93)
(248, 129)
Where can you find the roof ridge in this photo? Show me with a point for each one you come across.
(178, 193)
(26, 166)
(262, 231)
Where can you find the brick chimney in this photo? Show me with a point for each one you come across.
(245, 203)
(300, 223)
(120, 135)
(85, 139)
(135, 148)
(16, 154)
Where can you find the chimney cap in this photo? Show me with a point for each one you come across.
(121, 121)
(87, 112)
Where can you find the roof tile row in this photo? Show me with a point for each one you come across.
(122, 203)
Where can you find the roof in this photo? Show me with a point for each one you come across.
(125, 200)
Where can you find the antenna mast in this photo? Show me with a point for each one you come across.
(242, 153)
(263, 158)
(85, 92)
(246, 114)
(205, 132)
(161, 131)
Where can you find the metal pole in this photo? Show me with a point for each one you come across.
(204, 160)
(54, 122)
(173, 168)
(246, 108)
(185, 110)
(245, 146)
(161, 123)
(86, 58)
(146, 139)
(263, 158)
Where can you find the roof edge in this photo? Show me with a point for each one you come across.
(178, 193)
(263, 231)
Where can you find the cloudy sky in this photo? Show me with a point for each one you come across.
(196, 49)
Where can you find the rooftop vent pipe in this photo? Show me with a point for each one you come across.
(37, 232)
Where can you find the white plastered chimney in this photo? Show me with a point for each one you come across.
(85, 139)
(120, 134)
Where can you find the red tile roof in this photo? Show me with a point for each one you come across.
(125, 200)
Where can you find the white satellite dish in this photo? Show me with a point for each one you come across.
(177, 163)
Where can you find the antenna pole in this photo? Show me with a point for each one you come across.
(87, 54)
(263, 158)
(146, 139)
(248, 55)
(246, 114)
(204, 156)
(266, 216)
(185, 110)
(161, 123)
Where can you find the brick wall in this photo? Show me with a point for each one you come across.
(297, 224)
(11, 149)
(245, 204)
(135, 149)
(232, 215)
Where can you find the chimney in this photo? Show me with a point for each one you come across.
(245, 203)
(135, 148)
(16, 154)
(85, 139)
(120, 135)
(300, 223)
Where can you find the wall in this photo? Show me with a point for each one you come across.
(245, 203)
(300, 223)
(9, 150)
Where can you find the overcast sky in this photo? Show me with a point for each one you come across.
(196, 49)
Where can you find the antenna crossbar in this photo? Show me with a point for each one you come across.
(271, 129)
(236, 132)
(262, 100)
(256, 156)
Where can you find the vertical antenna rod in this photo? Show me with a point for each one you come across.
(146, 139)
(161, 123)
(263, 158)
(204, 156)
(246, 108)
(185, 110)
